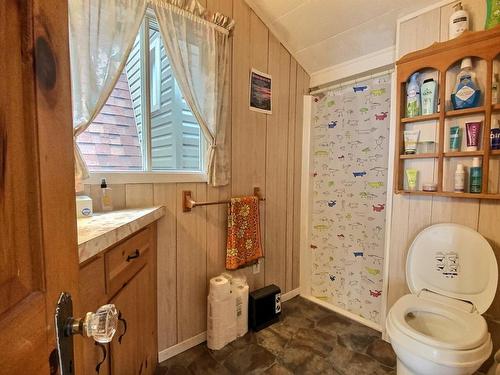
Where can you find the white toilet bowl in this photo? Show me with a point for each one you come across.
(438, 329)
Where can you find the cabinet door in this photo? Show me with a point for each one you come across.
(133, 353)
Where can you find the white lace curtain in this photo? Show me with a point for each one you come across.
(198, 48)
(102, 33)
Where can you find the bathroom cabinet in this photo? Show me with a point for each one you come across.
(441, 61)
(125, 275)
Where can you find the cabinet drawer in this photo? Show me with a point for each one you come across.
(126, 259)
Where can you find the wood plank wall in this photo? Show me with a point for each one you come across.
(413, 213)
(266, 152)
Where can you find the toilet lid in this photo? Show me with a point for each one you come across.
(455, 261)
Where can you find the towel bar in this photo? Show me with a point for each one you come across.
(188, 203)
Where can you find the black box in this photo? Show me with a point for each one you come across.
(264, 307)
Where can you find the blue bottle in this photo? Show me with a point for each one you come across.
(466, 93)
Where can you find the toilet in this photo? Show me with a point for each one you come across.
(438, 329)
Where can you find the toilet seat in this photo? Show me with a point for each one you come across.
(439, 325)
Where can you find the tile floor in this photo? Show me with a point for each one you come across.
(308, 340)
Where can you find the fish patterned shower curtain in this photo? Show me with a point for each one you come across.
(349, 153)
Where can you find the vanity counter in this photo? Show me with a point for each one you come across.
(105, 229)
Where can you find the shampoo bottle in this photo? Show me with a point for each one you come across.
(466, 93)
(428, 94)
(476, 176)
(459, 21)
(106, 200)
(459, 179)
(413, 96)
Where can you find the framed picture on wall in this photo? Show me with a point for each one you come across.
(260, 92)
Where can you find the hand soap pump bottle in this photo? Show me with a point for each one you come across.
(459, 21)
(466, 93)
(106, 200)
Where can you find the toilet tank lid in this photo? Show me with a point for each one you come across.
(455, 261)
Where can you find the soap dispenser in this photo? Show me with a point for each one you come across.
(459, 21)
(106, 199)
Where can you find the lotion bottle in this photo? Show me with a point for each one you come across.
(459, 179)
(459, 21)
(106, 199)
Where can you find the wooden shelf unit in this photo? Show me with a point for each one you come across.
(441, 57)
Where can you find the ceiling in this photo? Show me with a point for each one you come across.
(323, 33)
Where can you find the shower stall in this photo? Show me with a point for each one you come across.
(348, 177)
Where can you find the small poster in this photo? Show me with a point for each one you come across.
(260, 92)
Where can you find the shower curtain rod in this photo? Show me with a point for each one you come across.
(333, 85)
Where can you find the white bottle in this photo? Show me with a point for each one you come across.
(459, 21)
(460, 179)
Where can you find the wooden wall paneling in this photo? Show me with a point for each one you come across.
(191, 265)
(407, 37)
(489, 217)
(259, 52)
(290, 175)
(299, 107)
(276, 166)
(419, 32)
(166, 195)
(119, 196)
(139, 195)
(250, 49)
(398, 249)
(454, 210)
(217, 215)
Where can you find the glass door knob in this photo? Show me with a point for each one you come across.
(101, 325)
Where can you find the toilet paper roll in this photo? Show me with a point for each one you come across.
(220, 288)
(241, 300)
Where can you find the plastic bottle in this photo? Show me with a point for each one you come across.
(459, 179)
(428, 94)
(459, 21)
(476, 176)
(413, 97)
(466, 93)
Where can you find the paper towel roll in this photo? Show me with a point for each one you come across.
(241, 299)
(220, 288)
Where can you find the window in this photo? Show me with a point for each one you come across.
(145, 125)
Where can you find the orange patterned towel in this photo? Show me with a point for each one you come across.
(243, 233)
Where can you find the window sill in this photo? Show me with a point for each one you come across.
(146, 177)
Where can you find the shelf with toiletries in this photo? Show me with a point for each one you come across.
(458, 123)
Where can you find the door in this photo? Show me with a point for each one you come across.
(38, 245)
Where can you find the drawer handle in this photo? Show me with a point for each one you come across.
(135, 254)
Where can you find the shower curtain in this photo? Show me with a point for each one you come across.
(349, 159)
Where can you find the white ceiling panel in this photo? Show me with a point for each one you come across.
(323, 33)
